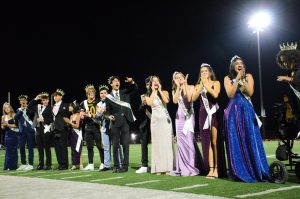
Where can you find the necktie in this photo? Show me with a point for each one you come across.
(117, 95)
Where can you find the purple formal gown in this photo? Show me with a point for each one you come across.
(187, 149)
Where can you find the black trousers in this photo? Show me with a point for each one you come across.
(43, 142)
(92, 133)
(61, 148)
(121, 135)
(144, 138)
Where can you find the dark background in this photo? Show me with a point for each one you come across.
(44, 47)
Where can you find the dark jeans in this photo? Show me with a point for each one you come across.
(26, 136)
(92, 133)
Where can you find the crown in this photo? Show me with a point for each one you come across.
(101, 87)
(204, 64)
(234, 58)
(61, 92)
(44, 95)
(22, 97)
(111, 78)
(288, 46)
(88, 87)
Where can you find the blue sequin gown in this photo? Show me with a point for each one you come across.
(246, 156)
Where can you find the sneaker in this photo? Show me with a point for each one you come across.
(101, 166)
(142, 170)
(22, 167)
(74, 167)
(89, 167)
(28, 168)
(81, 167)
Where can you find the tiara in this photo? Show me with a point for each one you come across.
(288, 46)
(44, 94)
(175, 73)
(22, 96)
(204, 65)
(75, 103)
(88, 87)
(6, 104)
(101, 87)
(234, 58)
(61, 92)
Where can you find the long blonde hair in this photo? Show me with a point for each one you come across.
(11, 111)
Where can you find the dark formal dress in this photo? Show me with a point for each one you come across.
(246, 156)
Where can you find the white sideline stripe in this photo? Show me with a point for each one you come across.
(143, 182)
(57, 174)
(31, 173)
(267, 191)
(75, 177)
(104, 179)
(190, 187)
(270, 156)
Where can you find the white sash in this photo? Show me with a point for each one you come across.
(297, 93)
(121, 103)
(86, 106)
(103, 123)
(26, 117)
(249, 99)
(189, 122)
(79, 133)
(6, 120)
(209, 111)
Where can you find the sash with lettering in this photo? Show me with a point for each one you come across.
(189, 117)
(121, 103)
(209, 111)
(241, 82)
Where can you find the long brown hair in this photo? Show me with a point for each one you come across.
(212, 73)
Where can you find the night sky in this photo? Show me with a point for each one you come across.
(42, 46)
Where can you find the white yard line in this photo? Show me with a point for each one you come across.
(31, 173)
(142, 182)
(57, 174)
(267, 191)
(270, 156)
(189, 187)
(104, 179)
(72, 177)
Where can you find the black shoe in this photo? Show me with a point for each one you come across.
(40, 167)
(62, 168)
(47, 168)
(105, 169)
(123, 170)
(116, 170)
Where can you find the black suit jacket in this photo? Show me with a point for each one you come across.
(59, 123)
(118, 111)
(47, 113)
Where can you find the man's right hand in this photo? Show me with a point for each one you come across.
(111, 118)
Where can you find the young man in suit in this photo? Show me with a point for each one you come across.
(42, 124)
(60, 110)
(24, 118)
(144, 128)
(120, 114)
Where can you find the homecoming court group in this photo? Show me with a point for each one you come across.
(106, 121)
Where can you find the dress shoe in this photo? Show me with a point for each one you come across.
(48, 168)
(116, 170)
(123, 170)
(40, 167)
(104, 169)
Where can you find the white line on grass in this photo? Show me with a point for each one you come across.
(190, 187)
(270, 156)
(142, 182)
(104, 179)
(267, 191)
(75, 177)
(31, 173)
(57, 174)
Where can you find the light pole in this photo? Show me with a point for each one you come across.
(259, 22)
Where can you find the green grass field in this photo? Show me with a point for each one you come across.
(202, 185)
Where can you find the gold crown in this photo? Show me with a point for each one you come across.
(88, 87)
(288, 46)
(61, 92)
(44, 94)
(22, 96)
(101, 87)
